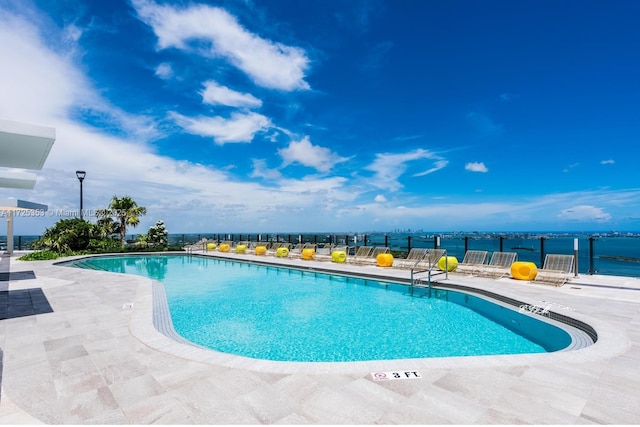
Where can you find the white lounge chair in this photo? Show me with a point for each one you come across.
(473, 260)
(557, 270)
(499, 266)
(414, 255)
(296, 251)
(372, 256)
(361, 253)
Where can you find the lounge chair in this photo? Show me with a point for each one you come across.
(414, 255)
(498, 267)
(472, 261)
(557, 270)
(324, 253)
(272, 247)
(360, 254)
(296, 251)
(371, 257)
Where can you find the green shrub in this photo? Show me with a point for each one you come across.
(40, 256)
(67, 235)
(104, 245)
(79, 237)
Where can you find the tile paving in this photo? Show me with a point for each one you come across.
(97, 360)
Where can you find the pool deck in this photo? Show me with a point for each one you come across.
(79, 347)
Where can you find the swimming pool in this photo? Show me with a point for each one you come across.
(283, 314)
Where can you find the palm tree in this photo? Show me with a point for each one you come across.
(106, 226)
(126, 211)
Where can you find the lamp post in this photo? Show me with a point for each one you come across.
(81, 175)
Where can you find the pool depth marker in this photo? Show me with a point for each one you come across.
(395, 375)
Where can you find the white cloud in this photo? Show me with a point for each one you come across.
(389, 167)
(314, 184)
(304, 152)
(269, 64)
(607, 162)
(380, 198)
(42, 86)
(476, 167)
(72, 33)
(260, 170)
(216, 94)
(585, 213)
(34, 70)
(437, 165)
(239, 127)
(164, 71)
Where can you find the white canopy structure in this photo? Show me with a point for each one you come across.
(10, 206)
(22, 146)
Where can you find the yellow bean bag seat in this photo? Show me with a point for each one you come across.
(240, 249)
(384, 260)
(524, 270)
(282, 252)
(449, 263)
(308, 253)
(338, 256)
(261, 250)
(224, 247)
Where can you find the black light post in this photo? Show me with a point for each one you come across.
(81, 175)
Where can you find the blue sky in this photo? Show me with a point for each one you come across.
(332, 115)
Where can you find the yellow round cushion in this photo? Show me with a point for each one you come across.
(338, 256)
(261, 250)
(524, 270)
(282, 252)
(224, 247)
(308, 253)
(384, 260)
(448, 263)
(211, 246)
(240, 249)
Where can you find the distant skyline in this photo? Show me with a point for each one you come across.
(337, 116)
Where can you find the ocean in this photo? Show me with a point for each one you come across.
(598, 253)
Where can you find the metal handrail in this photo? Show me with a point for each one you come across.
(415, 265)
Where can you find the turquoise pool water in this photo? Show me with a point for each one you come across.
(292, 315)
